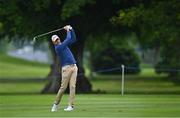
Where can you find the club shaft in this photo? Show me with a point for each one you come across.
(48, 32)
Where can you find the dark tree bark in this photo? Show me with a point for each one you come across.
(54, 76)
(83, 84)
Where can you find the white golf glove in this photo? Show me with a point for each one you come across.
(69, 27)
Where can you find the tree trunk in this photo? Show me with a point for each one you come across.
(83, 84)
(54, 76)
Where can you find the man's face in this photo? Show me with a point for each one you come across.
(57, 41)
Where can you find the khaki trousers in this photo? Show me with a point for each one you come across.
(69, 75)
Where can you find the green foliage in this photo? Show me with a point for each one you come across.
(156, 25)
(27, 18)
(170, 56)
(73, 7)
(153, 24)
(111, 50)
(115, 57)
(1, 26)
(107, 39)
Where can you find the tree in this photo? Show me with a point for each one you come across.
(28, 18)
(156, 24)
(112, 50)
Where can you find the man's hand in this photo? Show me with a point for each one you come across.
(67, 27)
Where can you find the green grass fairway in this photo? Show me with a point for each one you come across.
(100, 105)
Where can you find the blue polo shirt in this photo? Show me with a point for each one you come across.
(63, 51)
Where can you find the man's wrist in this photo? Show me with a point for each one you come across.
(68, 28)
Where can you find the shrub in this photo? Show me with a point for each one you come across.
(114, 57)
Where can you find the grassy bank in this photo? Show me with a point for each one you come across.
(11, 67)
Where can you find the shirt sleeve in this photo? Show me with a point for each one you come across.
(70, 38)
(73, 35)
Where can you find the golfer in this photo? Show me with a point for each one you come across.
(69, 68)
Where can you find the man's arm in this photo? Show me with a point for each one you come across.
(73, 36)
(70, 38)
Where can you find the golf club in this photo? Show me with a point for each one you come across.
(40, 35)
